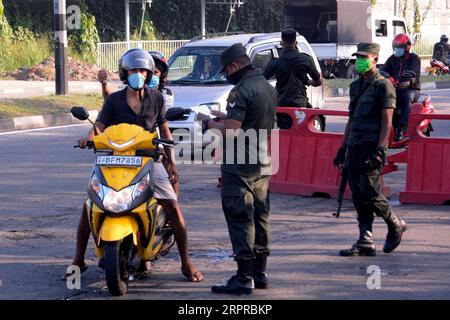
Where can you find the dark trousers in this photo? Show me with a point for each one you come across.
(245, 203)
(365, 184)
(404, 99)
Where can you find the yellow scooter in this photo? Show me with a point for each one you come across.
(125, 220)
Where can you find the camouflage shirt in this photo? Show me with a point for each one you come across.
(367, 99)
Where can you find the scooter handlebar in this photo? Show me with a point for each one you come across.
(165, 142)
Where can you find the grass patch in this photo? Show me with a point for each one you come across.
(435, 78)
(345, 83)
(15, 54)
(52, 104)
(337, 83)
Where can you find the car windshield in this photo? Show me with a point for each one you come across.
(196, 65)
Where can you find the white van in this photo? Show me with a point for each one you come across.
(198, 86)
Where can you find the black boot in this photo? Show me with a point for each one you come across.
(240, 283)
(396, 227)
(364, 246)
(259, 272)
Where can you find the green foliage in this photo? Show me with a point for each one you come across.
(17, 54)
(418, 13)
(175, 19)
(48, 104)
(22, 34)
(5, 28)
(36, 15)
(167, 19)
(84, 40)
(148, 31)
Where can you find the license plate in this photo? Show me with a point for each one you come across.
(119, 161)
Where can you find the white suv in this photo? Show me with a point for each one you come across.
(198, 86)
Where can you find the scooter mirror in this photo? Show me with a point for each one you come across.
(80, 113)
(174, 113)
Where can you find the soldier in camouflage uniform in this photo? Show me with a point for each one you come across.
(364, 148)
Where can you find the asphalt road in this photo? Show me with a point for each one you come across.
(43, 182)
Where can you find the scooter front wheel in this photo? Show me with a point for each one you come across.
(112, 263)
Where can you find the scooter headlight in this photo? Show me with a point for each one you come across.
(141, 186)
(97, 186)
(118, 201)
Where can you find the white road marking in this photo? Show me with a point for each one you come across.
(41, 129)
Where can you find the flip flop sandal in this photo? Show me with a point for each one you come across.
(194, 276)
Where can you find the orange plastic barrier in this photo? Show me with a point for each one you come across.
(428, 170)
(306, 156)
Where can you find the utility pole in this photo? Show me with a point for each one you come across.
(203, 13)
(203, 3)
(60, 29)
(127, 23)
(127, 16)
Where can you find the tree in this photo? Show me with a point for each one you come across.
(419, 14)
(85, 39)
(419, 17)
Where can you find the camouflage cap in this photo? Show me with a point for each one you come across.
(366, 48)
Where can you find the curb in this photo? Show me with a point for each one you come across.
(343, 92)
(35, 122)
(50, 89)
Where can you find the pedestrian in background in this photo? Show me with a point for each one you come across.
(291, 71)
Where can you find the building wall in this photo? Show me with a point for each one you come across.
(437, 20)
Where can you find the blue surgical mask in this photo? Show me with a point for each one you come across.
(399, 52)
(136, 81)
(154, 82)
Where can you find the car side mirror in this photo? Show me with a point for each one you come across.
(174, 113)
(80, 113)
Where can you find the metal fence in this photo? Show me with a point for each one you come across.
(109, 53)
(424, 45)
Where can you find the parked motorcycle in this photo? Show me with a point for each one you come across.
(126, 222)
(437, 68)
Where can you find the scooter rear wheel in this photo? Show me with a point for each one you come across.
(116, 285)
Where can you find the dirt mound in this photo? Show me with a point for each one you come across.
(45, 71)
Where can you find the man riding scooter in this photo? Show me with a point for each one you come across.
(441, 50)
(137, 105)
(404, 69)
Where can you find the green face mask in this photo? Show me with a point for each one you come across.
(362, 65)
